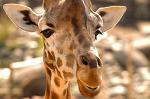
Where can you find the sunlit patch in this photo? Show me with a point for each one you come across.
(117, 46)
(27, 63)
(61, 2)
(4, 73)
(118, 89)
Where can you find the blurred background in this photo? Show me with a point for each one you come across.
(125, 54)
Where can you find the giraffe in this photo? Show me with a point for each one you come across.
(69, 29)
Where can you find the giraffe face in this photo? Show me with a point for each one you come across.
(86, 27)
(71, 27)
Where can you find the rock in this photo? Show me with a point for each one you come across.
(118, 90)
(144, 27)
(121, 58)
(145, 73)
(138, 59)
(143, 44)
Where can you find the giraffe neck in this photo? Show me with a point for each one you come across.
(58, 87)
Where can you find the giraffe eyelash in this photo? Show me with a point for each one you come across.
(50, 25)
(97, 27)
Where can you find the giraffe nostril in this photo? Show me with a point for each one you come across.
(84, 60)
(99, 62)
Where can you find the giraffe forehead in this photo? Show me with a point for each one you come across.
(74, 17)
(66, 9)
(75, 12)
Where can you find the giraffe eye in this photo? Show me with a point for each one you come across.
(47, 33)
(98, 31)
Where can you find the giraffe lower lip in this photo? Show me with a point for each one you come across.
(90, 88)
(88, 91)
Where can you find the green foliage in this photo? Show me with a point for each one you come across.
(11, 49)
(6, 27)
(40, 46)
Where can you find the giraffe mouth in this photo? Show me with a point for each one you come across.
(94, 89)
(87, 90)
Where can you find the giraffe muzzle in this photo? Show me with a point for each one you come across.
(89, 81)
(89, 74)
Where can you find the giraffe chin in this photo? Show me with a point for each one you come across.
(88, 91)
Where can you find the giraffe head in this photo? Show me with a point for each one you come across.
(70, 27)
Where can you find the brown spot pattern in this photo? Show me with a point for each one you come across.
(50, 65)
(60, 50)
(51, 55)
(59, 74)
(64, 92)
(49, 72)
(53, 67)
(86, 45)
(59, 62)
(81, 38)
(67, 74)
(54, 95)
(57, 81)
(73, 45)
(70, 60)
(76, 26)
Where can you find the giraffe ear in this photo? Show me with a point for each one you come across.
(111, 16)
(22, 16)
